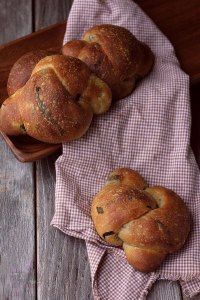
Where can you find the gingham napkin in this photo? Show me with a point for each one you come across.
(148, 131)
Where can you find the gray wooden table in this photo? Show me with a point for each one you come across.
(36, 260)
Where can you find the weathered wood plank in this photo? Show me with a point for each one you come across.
(17, 226)
(15, 19)
(50, 12)
(63, 268)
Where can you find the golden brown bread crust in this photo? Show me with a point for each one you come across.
(149, 222)
(22, 69)
(113, 54)
(57, 102)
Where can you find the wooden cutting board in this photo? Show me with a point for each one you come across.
(172, 17)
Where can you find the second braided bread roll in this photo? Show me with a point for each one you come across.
(115, 55)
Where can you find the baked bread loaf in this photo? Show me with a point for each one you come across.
(56, 103)
(149, 222)
(115, 55)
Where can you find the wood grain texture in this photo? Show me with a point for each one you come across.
(63, 270)
(51, 12)
(15, 20)
(165, 290)
(17, 217)
(17, 228)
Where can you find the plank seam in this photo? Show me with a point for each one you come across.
(35, 226)
(33, 15)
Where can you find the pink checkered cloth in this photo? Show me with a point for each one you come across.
(149, 131)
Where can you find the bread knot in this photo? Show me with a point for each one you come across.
(52, 98)
(115, 55)
(148, 222)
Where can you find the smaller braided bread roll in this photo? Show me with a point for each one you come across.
(52, 99)
(149, 222)
(115, 55)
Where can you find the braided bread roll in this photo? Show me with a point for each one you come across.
(52, 100)
(115, 55)
(149, 222)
